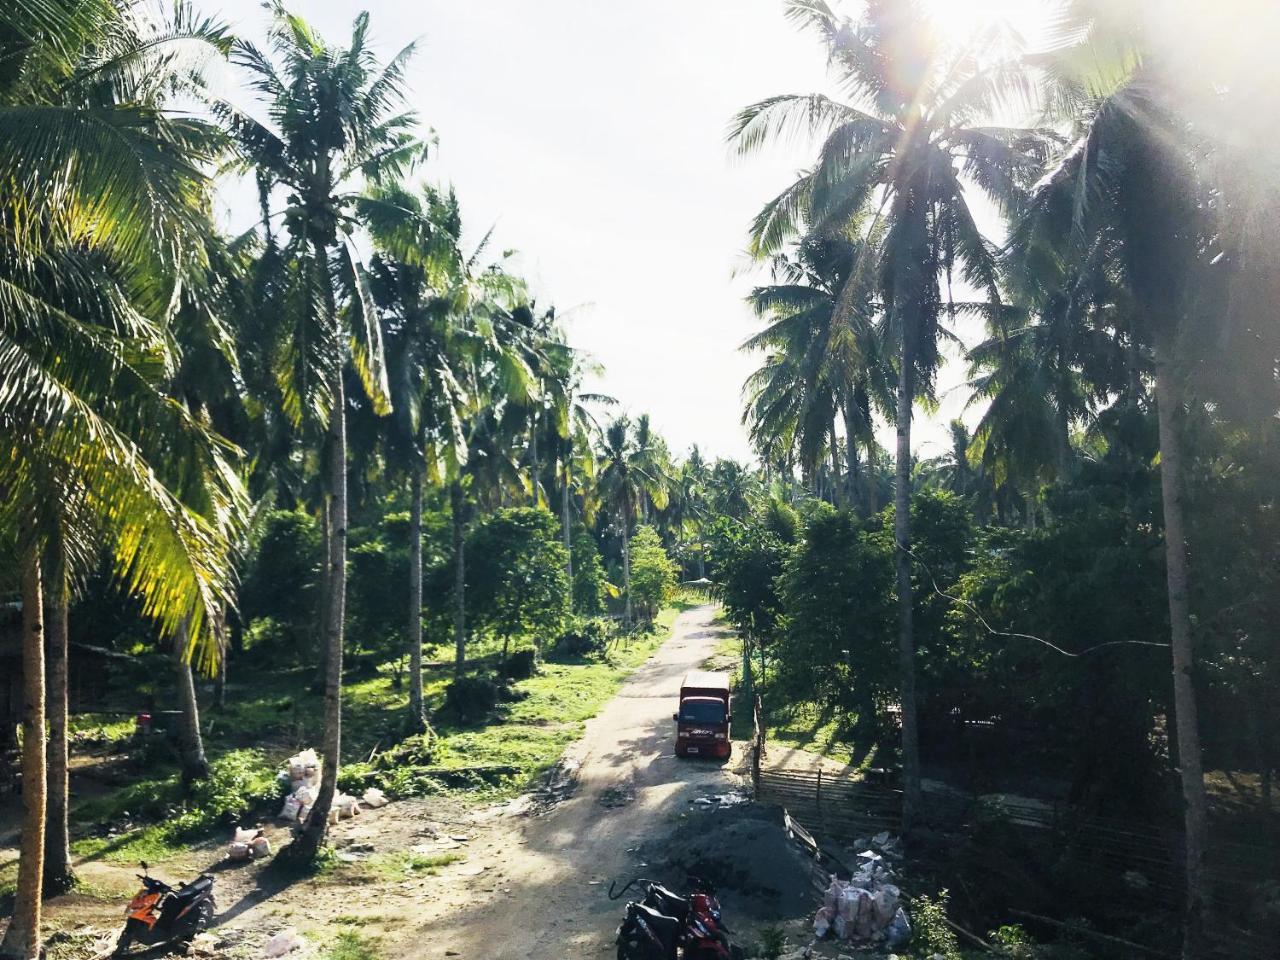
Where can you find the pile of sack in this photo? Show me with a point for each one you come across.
(301, 778)
(866, 908)
(302, 773)
(248, 843)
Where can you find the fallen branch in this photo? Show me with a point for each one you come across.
(1090, 933)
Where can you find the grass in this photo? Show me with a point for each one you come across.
(408, 863)
(349, 945)
(556, 705)
(273, 713)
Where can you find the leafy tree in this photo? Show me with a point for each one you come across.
(282, 576)
(836, 642)
(653, 573)
(517, 585)
(590, 588)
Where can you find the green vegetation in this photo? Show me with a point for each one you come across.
(349, 945)
(346, 465)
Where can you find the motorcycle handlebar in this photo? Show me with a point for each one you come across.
(634, 881)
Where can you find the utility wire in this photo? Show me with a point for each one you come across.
(960, 601)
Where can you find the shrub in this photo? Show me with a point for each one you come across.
(418, 750)
(773, 940)
(930, 934)
(239, 783)
(584, 638)
(471, 699)
(521, 665)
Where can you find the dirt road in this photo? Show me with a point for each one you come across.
(530, 880)
(542, 894)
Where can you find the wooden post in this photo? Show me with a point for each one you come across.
(819, 794)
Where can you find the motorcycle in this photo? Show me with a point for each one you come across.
(162, 915)
(702, 933)
(646, 934)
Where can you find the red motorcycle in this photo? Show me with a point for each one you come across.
(701, 931)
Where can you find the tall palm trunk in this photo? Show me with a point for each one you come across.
(566, 523)
(457, 508)
(190, 744)
(314, 831)
(533, 455)
(417, 711)
(626, 560)
(906, 636)
(58, 875)
(22, 938)
(322, 608)
(1168, 402)
(836, 494)
(856, 499)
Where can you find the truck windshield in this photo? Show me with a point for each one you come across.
(701, 711)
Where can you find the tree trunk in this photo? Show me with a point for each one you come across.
(220, 682)
(22, 938)
(837, 499)
(190, 743)
(458, 507)
(316, 828)
(906, 637)
(626, 566)
(566, 523)
(58, 875)
(1168, 402)
(417, 711)
(317, 684)
(533, 450)
(856, 498)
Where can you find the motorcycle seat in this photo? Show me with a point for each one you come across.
(190, 890)
(669, 903)
(667, 928)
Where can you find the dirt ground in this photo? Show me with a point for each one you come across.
(531, 877)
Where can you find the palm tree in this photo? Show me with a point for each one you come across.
(627, 477)
(906, 144)
(414, 280)
(333, 121)
(97, 173)
(819, 370)
(1136, 179)
(576, 429)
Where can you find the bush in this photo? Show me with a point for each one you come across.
(239, 783)
(930, 934)
(418, 750)
(521, 665)
(584, 638)
(471, 699)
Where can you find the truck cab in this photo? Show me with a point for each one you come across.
(702, 722)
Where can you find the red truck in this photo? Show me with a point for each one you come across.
(702, 723)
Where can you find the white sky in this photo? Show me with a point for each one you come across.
(592, 133)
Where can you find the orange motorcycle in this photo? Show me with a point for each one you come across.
(162, 915)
